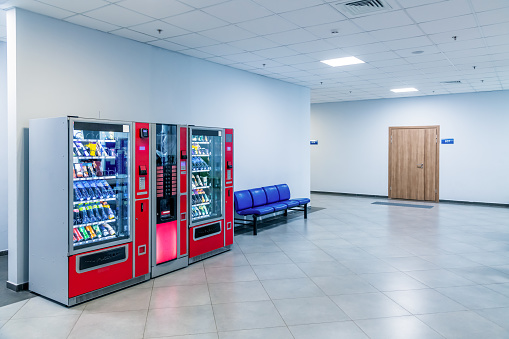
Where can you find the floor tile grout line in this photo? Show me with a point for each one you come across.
(148, 310)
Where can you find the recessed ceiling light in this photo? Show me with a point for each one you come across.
(342, 61)
(403, 90)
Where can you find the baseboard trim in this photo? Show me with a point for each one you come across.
(4, 252)
(474, 203)
(351, 194)
(486, 204)
(16, 287)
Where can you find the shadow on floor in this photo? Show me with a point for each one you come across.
(8, 296)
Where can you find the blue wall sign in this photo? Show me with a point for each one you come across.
(314, 142)
(447, 141)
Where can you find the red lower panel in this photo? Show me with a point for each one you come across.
(183, 224)
(80, 283)
(205, 245)
(228, 216)
(166, 242)
(141, 237)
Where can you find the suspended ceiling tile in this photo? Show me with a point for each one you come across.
(276, 52)
(440, 10)
(254, 44)
(86, 21)
(167, 30)
(418, 58)
(167, 45)
(76, 6)
(310, 66)
(461, 35)
(366, 49)
(449, 25)
(497, 40)
(281, 69)
(195, 53)
(203, 3)
(245, 57)
(396, 33)
(378, 56)
(383, 20)
(417, 43)
(312, 16)
(330, 54)
(260, 64)
(133, 35)
(493, 17)
(461, 45)
(221, 50)
(324, 31)
(281, 6)
(494, 30)
(119, 16)
(228, 33)
(154, 8)
(268, 25)
(195, 21)
(499, 49)
(405, 53)
(237, 11)
(37, 7)
(485, 5)
(312, 46)
(295, 59)
(291, 37)
(352, 40)
(193, 40)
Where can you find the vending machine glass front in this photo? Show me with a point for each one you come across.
(101, 176)
(206, 174)
(166, 171)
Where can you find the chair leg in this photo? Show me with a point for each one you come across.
(286, 213)
(255, 231)
(305, 211)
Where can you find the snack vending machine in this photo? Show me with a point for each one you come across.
(210, 192)
(169, 196)
(83, 241)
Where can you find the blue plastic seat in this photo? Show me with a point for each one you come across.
(260, 210)
(278, 206)
(243, 200)
(259, 197)
(272, 194)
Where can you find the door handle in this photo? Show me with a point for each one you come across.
(420, 166)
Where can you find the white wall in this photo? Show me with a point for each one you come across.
(352, 153)
(3, 148)
(64, 69)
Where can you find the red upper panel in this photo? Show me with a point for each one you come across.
(141, 161)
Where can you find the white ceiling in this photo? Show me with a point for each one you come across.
(286, 39)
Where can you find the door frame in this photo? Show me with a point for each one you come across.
(437, 163)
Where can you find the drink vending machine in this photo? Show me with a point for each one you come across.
(169, 198)
(83, 241)
(210, 191)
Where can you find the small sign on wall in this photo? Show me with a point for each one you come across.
(447, 141)
(314, 142)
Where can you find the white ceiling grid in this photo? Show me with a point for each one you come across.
(410, 45)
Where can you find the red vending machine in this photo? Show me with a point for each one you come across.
(87, 179)
(169, 198)
(210, 191)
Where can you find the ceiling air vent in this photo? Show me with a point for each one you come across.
(361, 7)
(451, 82)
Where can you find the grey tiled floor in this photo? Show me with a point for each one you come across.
(352, 270)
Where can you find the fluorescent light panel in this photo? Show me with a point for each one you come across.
(342, 61)
(404, 90)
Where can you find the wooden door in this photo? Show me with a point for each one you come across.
(413, 163)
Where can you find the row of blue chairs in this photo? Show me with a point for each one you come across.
(266, 200)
